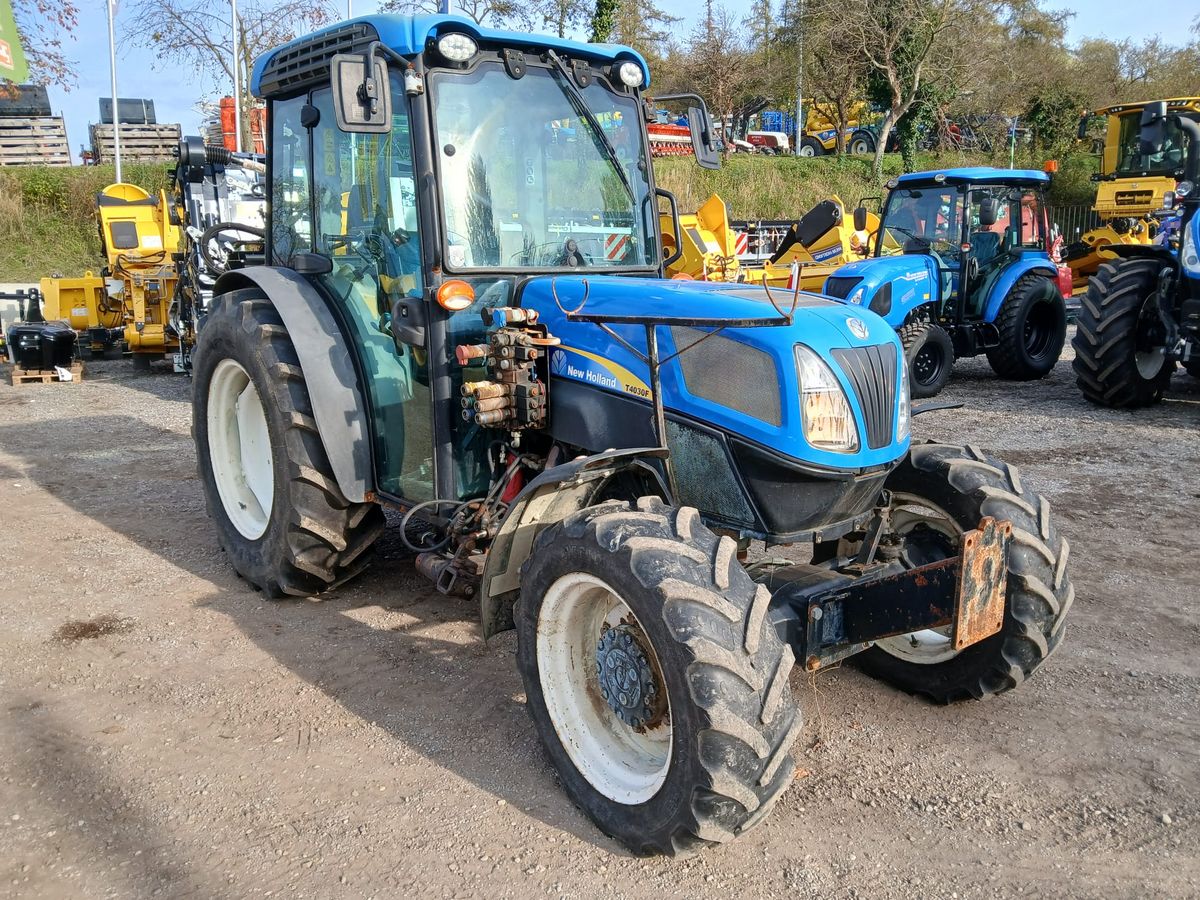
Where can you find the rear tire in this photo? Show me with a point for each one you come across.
(929, 352)
(722, 756)
(965, 485)
(1109, 369)
(1033, 328)
(304, 536)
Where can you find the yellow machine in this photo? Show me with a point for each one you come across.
(131, 302)
(814, 246)
(1130, 184)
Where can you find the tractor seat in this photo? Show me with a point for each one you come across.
(984, 247)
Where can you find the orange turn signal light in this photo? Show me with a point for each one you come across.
(455, 295)
(1050, 167)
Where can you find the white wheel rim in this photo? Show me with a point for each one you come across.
(625, 765)
(239, 449)
(931, 645)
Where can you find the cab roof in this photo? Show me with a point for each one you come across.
(972, 174)
(408, 35)
(1176, 103)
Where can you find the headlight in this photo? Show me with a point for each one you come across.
(1188, 251)
(903, 419)
(827, 417)
(456, 48)
(630, 74)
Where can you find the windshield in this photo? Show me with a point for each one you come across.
(527, 184)
(1130, 159)
(920, 219)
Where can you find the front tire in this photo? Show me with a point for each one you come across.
(1032, 322)
(929, 352)
(691, 743)
(810, 147)
(280, 515)
(939, 492)
(1115, 365)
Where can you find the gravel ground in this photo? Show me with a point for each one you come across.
(166, 732)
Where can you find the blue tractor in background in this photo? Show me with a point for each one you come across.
(465, 319)
(961, 267)
(1141, 313)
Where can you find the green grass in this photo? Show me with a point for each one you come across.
(48, 217)
(764, 187)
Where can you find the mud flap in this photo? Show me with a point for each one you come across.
(982, 582)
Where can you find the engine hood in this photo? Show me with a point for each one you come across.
(891, 286)
(760, 389)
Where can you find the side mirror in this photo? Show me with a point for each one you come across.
(1154, 128)
(702, 138)
(860, 218)
(1084, 120)
(362, 102)
(989, 212)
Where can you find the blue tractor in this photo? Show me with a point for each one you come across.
(1141, 313)
(961, 267)
(464, 318)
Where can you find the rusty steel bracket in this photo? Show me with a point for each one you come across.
(982, 582)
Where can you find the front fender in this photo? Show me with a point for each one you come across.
(325, 360)
(1011, 274)
(545, 501)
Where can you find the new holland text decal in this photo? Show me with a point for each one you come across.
(580, 365)
(827, 253)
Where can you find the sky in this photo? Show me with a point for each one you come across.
(176, 92)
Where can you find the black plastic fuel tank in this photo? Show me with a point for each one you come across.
(41, 345)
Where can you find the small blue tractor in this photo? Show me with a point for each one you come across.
(1141, 313)
(961, 267)
(461, 314)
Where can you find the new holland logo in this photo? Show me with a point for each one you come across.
(857, 327)
(558, 362)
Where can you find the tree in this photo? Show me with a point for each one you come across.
(41, 26)
(642, 25)
(835, 73)
(199, 34)
(910, 44)
(496, 13)
(604, 19)
(719, 61)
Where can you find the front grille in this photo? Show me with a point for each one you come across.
(728, 373)
(840, 287)
(872, 373)
(307, 64)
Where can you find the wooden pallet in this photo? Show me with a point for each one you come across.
(138, 142)
(33, 141)
(42, 376)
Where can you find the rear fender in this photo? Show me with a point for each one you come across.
(1011, 274)
(325, 359)
(545, 501)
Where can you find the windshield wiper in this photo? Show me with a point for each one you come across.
(581, 107)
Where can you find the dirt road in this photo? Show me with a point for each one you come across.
(166, 732)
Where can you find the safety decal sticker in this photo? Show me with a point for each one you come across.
(580, 365)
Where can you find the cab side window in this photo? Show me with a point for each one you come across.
(291, 188)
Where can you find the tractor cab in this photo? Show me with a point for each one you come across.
(961, 267)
